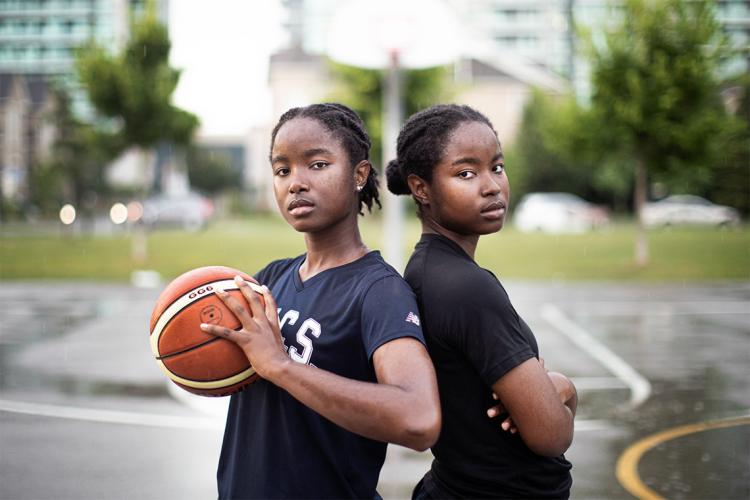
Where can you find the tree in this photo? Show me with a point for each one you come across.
(211, 171)
(556, 151)
(731, 184)
(362, 90)
(76, 166)
(656, 95)
(133, 89)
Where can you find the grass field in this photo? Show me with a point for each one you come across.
(689, 254)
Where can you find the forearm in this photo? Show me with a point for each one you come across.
(378, 411)
(536, 401)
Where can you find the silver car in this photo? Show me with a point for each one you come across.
(190, 211)
(557, 213)
(688, 209)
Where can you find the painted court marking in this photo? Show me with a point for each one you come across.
(168, 421)
(640, 387)
(111, 416)
(627, 465)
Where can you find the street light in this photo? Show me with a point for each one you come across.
(393, 34)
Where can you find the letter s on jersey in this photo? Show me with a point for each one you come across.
(311, 326)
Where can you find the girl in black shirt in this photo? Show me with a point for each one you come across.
(450, 161)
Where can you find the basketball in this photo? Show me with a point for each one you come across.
(197, 361)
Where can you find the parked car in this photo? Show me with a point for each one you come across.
(558, 213)
(688, 209)
(190, 211)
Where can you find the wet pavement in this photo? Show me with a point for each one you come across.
(86, 413)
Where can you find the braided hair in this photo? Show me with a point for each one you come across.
(422, 140)
(347, 127)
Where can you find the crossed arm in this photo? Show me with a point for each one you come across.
(403, 407)
(541, 405)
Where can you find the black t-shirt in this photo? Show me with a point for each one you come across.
(474, 337)
(276, 447)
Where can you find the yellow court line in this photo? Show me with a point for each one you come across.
(627, 464)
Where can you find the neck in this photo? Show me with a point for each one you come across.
(468, 242)
(332, 247)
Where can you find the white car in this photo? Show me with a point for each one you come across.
(688, 209)
(558, 213)
(190, 211)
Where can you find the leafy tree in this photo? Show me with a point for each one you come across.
(656, 95)
(362, 90)
(556, 151)
(731, 176)
(76, 166)
(133, 89)
(211, 171)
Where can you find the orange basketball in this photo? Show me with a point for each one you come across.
(193, 359)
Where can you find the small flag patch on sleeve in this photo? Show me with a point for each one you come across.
(412, 318)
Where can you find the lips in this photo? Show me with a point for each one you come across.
(493, 207)
(493, 211)
(300, 206)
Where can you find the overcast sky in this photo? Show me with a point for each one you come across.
(222, 47)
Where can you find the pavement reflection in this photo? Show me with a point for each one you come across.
(100, 418)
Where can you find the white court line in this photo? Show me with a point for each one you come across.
(111, 416)
(597, 383)
(168, 421)
(640, 387)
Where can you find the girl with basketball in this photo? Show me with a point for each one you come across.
(451, 163)
(338, 345)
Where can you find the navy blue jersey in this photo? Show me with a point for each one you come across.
(276, 447)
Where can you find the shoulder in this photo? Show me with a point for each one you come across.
(269, 274)
(378, 275)
(448, 282)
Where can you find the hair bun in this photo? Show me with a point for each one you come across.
(396, 182)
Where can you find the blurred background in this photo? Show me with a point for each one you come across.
(134, 138)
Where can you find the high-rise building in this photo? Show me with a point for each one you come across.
(547, 32)
(40, 36)
(38, 39)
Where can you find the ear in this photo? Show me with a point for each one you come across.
(420, 190)
(361, 173)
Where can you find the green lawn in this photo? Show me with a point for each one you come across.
(676, 255)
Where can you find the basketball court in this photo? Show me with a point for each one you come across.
(662, 373)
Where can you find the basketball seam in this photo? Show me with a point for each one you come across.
(177, 313)
(167, 356)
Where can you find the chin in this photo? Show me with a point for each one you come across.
(490, 228)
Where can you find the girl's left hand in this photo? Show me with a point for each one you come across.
(260, 336)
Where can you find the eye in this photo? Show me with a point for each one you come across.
(499, 168)
(281, 171)
(466, 174)
(319, 164)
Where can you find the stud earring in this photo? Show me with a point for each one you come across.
(359, 188)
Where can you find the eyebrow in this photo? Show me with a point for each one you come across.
(470, 160)
(279, 158)
(316, 151)
(307, 154)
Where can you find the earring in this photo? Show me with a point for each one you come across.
(359, 188)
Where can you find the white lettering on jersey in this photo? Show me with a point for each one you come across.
(312, 326)
(291, 316)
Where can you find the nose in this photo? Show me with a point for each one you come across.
(491, 185)
(297, 181)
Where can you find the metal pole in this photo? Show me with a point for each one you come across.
(392, 212)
